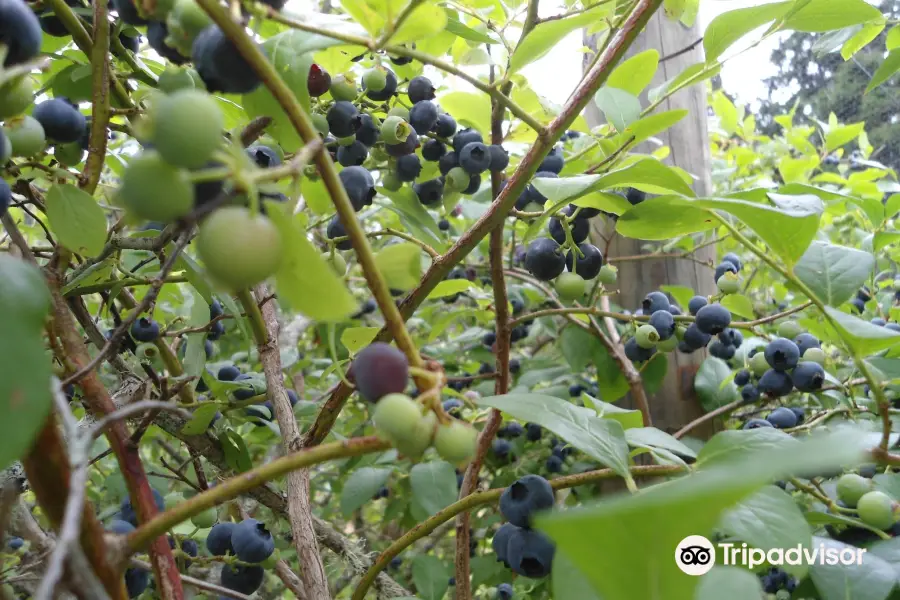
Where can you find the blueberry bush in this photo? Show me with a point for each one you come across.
(310, 301)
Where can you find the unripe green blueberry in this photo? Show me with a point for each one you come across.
(337, 262)
(729, 283)
(646, 336)
(206, 519)
(608, 274)
(343, 87)
(26, 136)
(154, 190)
(174, 79)
(668, 345)
(147, 352)
(396, 417)
(789, 329)
(239, 249)
(816, 355)
(346, 141)
(375, 79)
(851, 487)
(758, 364)
(418, 441)
(877, 509)
(570, 286)
(456, 442)
(395, 130)
(16, 96)
(399, 111)
(782, 595)
(320, 123)
(457, 179)
(187, 128)
(68, 155)
(391, 182)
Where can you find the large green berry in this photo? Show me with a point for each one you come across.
(239, 249)
(399, 111)
(394, 130)
(789, 329)
(26, 136)
(343, 87)
(570, 286)
(69, 155)
(375, 79)
(816, 355)
(456, 442)
(419, 439)
(729, 283)
(175, 79)
(154, 190)
(24, 295)
(851, 487)
(391, 182)
(187, 128)
(185, 21)
(646, 336)
(758, 364)
(320, 123)
(16, 96)
(877, 509)
(206, 519)
(457, 179)
(608, 275)
(337, 262)
(396, 417)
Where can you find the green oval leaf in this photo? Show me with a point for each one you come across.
(76, 219)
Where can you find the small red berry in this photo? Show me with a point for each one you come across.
(318, 81)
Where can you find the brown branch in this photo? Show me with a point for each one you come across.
(315, 582)
(97, 141)
(254, 129)
(718, 412)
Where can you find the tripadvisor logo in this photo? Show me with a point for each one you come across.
(695, 555)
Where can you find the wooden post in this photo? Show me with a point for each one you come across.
(676, 402)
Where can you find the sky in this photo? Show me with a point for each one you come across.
(557, 73)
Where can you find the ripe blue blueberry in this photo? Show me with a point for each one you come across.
(408, 167)
(353, 155)
(119, 526)
(15, 543)
(742, 377)
(782, 418)
(696, 303)
(243, 579)
(420, 89)
(544, 259)
(724, 267)
(589, 265)
(136, 581)
(530, 553)
(756, 424)
(732, 337)
(500, 543)
(782, 354)
(635, 196)
(252, 541)
(127, 513)
(475, 158)
(385, 93)
(499, 158)
(429, 192)
(474, 185)
(62, 121)
(694, 338)
(533, 432)
(749, 393)
(423, 116)
(775, 383)
(360, 186)
(368, 133)
(664, 323)
(653, 302)
(379, 369)
(20, 32)
(465, 137)
(805, 341)
(733, 259)
(221, 65)
(448, 161)
(408, 146)
(554, 161)
(5, 191)
(720, 350)
(343, 119)
(504, 592)
(501, 449)
(445, 126)
(218, 542)
(263, 156)
(157, 32)
(579, 228)
(527, 495)
(554, 464)
(808, 376)
(336, 230)
(713, 319)
(635, 353)
(433, 150)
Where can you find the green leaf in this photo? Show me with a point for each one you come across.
(664, 217)
(768, 519)
(874, 579)
(201, 418)
(887, 550)
(882, 239)
(450, 287)
(636, 73)
(578, 347)
(862, 335)
(739, 304)
(618, 106)
(400, 264)
(885, 70)
(601, 439)
(825, 15)
(733, 444)
(713, 384)
(787, 228)
(892, 207)
(430, 576)
(651, 125)
(471, 109)
(654, 372)
(733, 583)
(77, 220)
(356, 338)
(304, 281)
(426, 20)
(459, 29)
(434, 485)
(25, 372)
(834, 273)
(236, 454)
(195, 352)
(547, 34)
(838, 136)
(693, 74)
(361, 487)
(647, 175)
(729, 27)
(653, 438)
(568, 582)
(681, 293)
(414, 215)
(627, 417)
(610, 380)
(623, 544)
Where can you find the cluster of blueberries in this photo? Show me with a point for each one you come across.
(778, 582)
(524, 550)
(251, 543)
